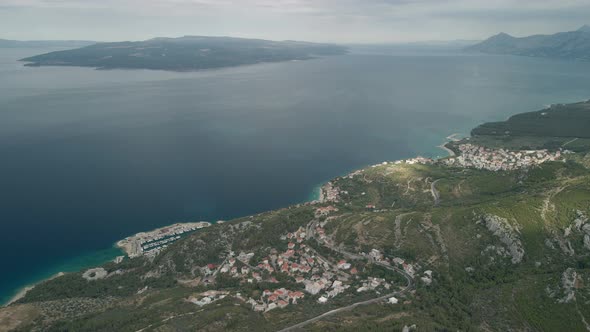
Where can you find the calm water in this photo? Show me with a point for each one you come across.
(88, 157)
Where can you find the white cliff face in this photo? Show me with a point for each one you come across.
(580, 224)
(583, 225)
(507, 234)
(568, 281)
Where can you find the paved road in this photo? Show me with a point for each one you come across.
(350, 307)
(409, 286)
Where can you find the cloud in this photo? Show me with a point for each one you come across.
(338, 20)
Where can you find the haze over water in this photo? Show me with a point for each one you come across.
(88, 157)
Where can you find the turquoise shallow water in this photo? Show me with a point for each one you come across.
(72, 264)
(89, 157)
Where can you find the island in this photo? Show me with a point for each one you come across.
(495, 237)
(188, 53)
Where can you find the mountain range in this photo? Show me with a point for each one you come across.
(574, 45)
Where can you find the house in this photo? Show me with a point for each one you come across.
(285, 267)
(343, 265)
(282, 303)
(322, 300)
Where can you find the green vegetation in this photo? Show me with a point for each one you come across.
(557, 127)
(571, 120)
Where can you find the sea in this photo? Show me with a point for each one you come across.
(88, 157)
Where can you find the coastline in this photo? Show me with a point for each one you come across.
(74, 264)
(448, 139)
(23, 291)
(450, 152)
(129, 246)
(316, 193)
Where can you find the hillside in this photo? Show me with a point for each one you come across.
(559, 126)
(490, 240)
(573, 45)
(184, 53)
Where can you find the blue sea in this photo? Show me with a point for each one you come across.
(88, 157)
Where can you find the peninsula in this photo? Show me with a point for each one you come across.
(493, 238)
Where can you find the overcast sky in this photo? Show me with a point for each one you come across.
(356, 21)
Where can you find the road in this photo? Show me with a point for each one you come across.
(409, 286)
(350, 307)
(568, 142)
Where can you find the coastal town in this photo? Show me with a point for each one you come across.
(473, 156)
(151, 243)
(311, 273)
(319, 277)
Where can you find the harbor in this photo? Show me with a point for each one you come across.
(152, 242)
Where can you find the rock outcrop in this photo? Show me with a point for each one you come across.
(580, 224)
(507, 234)
(568, 282)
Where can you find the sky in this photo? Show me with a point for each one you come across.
(341, 21)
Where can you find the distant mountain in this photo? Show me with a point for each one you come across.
(184, 53)
(6, 43)
(567, 45)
